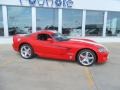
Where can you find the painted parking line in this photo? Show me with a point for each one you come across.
(89, 78)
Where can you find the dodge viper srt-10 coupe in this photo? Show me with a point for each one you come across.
(51, 44)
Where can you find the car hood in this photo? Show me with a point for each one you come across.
(79, 42)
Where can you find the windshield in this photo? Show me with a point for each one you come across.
(59, 37)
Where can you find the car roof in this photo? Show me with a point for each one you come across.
(47, 31)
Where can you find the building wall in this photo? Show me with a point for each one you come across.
(109, 5)
(106, 5)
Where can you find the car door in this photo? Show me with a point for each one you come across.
(48, 48)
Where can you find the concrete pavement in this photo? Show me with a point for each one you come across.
(45, 74)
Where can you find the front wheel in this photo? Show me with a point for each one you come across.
(86, 57)
(26, 51)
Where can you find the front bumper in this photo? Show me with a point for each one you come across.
(102, 57)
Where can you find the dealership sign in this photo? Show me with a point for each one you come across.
(49, 3)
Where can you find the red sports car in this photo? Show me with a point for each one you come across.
(51, 44)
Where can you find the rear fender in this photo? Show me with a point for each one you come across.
(16, 42)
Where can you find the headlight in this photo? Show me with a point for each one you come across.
(102, 49)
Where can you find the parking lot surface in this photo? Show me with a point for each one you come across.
(45, 74)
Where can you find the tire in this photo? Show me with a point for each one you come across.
(26, 51)
(86, 57)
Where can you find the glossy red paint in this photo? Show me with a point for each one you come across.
(63, 50)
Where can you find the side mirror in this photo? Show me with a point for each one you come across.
(50, 40)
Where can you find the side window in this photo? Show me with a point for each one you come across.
(43, 37)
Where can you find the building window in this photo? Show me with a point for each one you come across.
(94, 23)
(19, 20)
(1, 23)
(47, 19)
(113, 24)
(72, 22)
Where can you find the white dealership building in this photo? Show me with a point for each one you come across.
(94, 19)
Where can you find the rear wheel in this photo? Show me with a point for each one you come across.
(86, 57)
(26, 51)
